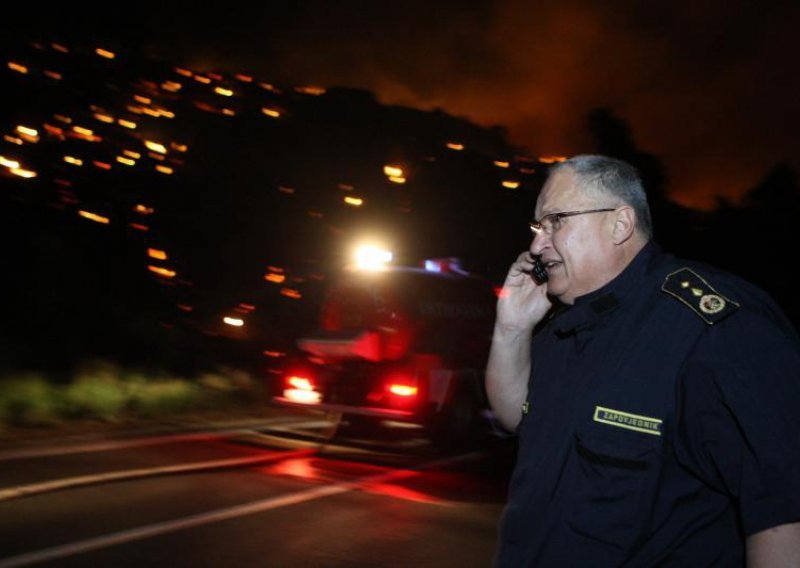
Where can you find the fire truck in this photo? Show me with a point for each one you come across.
(400, 344)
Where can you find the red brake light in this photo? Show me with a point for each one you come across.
(301, 389)
(301, 383)
(403, 390)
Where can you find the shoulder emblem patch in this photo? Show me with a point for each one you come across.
(689, 288)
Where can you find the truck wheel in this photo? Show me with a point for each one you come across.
(457, 425)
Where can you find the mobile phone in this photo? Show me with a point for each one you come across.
(538, 271)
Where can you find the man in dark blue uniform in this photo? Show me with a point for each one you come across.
(658, 410)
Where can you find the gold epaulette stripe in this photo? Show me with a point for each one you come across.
(691, 289)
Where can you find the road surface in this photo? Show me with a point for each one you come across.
(302, 490)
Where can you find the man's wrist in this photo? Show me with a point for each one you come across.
(510, 332)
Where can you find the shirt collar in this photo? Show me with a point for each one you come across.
(591, 307)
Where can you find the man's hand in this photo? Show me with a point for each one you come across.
(522, 303)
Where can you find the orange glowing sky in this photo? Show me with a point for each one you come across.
(710, 87)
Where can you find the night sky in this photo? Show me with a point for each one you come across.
(711, 88)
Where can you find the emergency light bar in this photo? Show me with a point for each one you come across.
(448, 265)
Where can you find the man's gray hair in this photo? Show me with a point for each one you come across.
(612, 177)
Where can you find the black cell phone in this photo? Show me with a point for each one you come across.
(538, 272)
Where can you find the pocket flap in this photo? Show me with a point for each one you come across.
(621, 450)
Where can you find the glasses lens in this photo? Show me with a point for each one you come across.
(543, 226)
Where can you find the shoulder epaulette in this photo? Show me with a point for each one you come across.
(689, 287)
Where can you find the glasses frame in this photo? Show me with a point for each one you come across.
(537, 225)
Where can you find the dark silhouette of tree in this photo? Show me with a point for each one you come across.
(777, 194)
(612, 137)
(766, 237)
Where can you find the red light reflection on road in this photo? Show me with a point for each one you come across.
(370, 478)
(298, 467)
(404, 493)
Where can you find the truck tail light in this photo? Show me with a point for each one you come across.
(400, 391)
(300, 388)
(403, 390)
(301, 383)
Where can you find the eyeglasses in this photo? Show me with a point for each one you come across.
(551, 222)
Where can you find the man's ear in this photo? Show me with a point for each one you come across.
(624, 224)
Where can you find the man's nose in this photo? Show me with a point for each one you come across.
(540, 241)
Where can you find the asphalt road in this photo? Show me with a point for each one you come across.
(290, 492)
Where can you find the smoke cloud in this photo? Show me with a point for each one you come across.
(709, 87)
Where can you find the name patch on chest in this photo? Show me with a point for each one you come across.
(627, 420)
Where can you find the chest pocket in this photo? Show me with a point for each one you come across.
(615, 476)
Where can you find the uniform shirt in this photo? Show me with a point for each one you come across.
(663, 424)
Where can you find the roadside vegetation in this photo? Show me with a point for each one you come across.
(102, 391)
